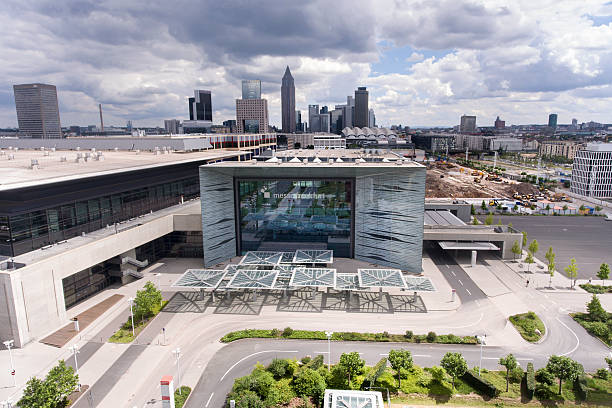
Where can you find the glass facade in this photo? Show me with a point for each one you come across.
(92, 280)
(32, 230)
(296, 214)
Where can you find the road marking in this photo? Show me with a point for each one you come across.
(209, 398)
(554, 302)
(497, 358)
(320, 352)
(447, 266)
(468, 291)
(454, 274)
(460, 282)
(421, 355)
(477, 302)
(575, 335)
(384, 354)
(543, 307)
(254, 354)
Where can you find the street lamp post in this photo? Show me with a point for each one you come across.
(482, 340)
(177, 353)
(329, 335)
(131, 301)
(9, 345)
(75, 351)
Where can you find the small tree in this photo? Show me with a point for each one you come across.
(582, 208)
(572, 271)
(454, 364)
(524, 239)
(564, 368)
(438, 374)
(598, 208)
(529, 260)
(35, 394)
(472, 210)
(51, 392)
(604, 272)
(516, 249)
(534, 247)
(483, 206)
(309, 383)
(596, 312)
(64, 380)
(565, 207)
(609, 362)
(147, 300)
(475, 221)
(489, 219)
(400, 359)
(550, 257)
(352, 364)
(510, 363)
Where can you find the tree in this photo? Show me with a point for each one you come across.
(596, 312)
(529, 260)
(572, 271)
(510, 363)
(51, 392)
(547, 207)
(609, 362)
(524, 239)
(64, 381)
(309, 383)
(550, 257)
(147, 300)
(438, 374)
(516, 249)
(489, 219)
(534, 247)
(483, 206)
(454, 364)
(352, 364)
(582, 208)
(565, 207)
(472, 210)
(400, 359)
(475, 221)
(36, 394)
(564, 368)
(604, 272)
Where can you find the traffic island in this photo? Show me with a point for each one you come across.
(529, 326)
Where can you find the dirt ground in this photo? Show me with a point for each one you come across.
(461, 185)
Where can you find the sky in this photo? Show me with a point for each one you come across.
(425, 62)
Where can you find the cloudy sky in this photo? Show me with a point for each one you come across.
(425, 62)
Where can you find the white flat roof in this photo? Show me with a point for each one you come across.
(473, 246)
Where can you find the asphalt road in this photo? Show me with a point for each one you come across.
(465, 287)
(585, 238)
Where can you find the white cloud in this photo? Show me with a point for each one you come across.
(415, 57)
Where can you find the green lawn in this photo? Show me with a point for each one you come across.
(526, 324)
(180, 398)
(124, 334)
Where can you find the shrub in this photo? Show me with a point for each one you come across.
(274, 332)
(580, 387)
(408, 334)
(278, 367)
(600, 329)
(516, 375)
(531, 315)
(245, 399)
(543, 392)
(376, 371)
(181, 396)
(309, 383)
(543, 376)
(280, 393)
(530, 381)
(480, 384)
(305, 360)
(602, 373)
(431, 337)
(288, 331)
(438, 374)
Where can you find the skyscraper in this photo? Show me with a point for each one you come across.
(288, 102)
(251, 89)
(500, 124)
(552, 120)
(371, 118)
(37, 111)
(200, 106)
(361, 118)
(468, 124)
(172, 126)
(313, 118)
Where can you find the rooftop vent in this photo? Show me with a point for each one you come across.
(34, 164)
(2, 153)
(116, 149)
(339, 160)
(295, 160)
(316, 160)
(78, 148)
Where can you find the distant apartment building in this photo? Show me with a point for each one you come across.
(172, 126)
(318, 120)
(565, 149)
(474, 143)
(592, 171)
(37, 111)
(251, 115)
(508, 144)
(362, 112)
(468, 124)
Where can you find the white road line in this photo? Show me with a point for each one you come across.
(575, 335)
(454, 274)
(468, 291)
(460, 282)
(421, 355)
(384, 354)
(209, 398)
(447, 266)
(254, 354)
(320, 352)
(497, 358)
(543, 307)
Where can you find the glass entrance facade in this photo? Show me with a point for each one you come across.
(287, 215)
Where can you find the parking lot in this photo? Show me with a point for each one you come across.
(588, 239)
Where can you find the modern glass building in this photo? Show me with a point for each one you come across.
(372, 211)
(251, 89)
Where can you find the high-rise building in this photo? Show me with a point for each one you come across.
(324, 109)
(299, 125)
(335, 125)
(349, 112)
(500, 124)
(37, 111)
(251, 89)
(592, 171)
(313, 119)
(552, 120)
(371, 118)
(251, 115)
(172, 126)
(468, 124)
(361, 117)
(288, 102)
(231, 124)
(574, 123)
(200, 106)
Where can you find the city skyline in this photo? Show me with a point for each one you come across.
(504, 58)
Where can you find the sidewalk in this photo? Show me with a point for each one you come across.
(440, 300)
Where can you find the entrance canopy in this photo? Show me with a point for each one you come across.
(470, 246)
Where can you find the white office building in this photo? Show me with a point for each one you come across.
(592, 171)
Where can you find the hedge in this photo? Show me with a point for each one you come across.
(480, 384)
(530, 382)
(345, 336)
(580, 387)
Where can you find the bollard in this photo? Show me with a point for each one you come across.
(454, 291)
(474, 258)
(76, 324)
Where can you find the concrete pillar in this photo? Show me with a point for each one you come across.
(167, 391)
(474, 258)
